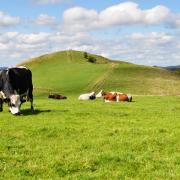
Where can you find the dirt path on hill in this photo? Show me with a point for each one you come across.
(100, 80)
(69, 55)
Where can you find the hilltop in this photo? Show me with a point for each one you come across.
(70, 72)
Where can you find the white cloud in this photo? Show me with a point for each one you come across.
(33, 38)
(45, 2)
(156, 15)
(127, 13)
(149, 48)
(136, 36)
(79, 18)
(15, 55)
(44, 19)
(155, 38)
(7, 20)
(142, 48)
(121, 14)
(174, 21)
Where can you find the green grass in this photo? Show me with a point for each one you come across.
(145, 80)
(73, 139)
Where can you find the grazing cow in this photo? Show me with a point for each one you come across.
(15, 88)
(88, 96)
(114, 96)
(56, 96)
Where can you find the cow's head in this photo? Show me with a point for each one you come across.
(14, 104)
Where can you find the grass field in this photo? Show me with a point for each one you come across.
(71, 139)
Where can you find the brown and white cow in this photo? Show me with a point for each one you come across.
(114, 96)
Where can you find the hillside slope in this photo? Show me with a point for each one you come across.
(69, 72)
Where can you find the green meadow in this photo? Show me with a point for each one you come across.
(72, 139)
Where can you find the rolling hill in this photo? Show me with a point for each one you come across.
(70, 72)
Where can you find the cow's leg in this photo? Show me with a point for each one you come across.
(129, 98)
(30, 96)
(31, 100)
(1, 105)
(117, 98)
(106, 100)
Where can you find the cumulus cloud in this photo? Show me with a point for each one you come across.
(24, 45)
(174, 21)
(33, 38)
(141, 48)
(155, 48)
(45, 2)
(7, 20)
(79, 18)
(152, 48)
(127, 13)
(155, 38)
(44, 19)
(156, 15)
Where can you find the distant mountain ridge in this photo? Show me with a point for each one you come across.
(172, 68)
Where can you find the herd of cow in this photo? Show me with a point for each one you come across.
(16, 88)
(107, 96)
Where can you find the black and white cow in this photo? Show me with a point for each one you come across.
(15, 88)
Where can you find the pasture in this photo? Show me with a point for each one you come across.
(73, 139)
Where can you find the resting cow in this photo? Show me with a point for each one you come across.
(15, 88)
(56, 96)
(88, 96)
(114, 96)
(102, 93)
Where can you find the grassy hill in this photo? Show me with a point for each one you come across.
(69, 72)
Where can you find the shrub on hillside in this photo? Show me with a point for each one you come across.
(85, 55)
(92, 59)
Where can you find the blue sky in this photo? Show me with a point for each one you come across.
(141, 32)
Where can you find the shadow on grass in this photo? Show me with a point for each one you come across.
(27, 112)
